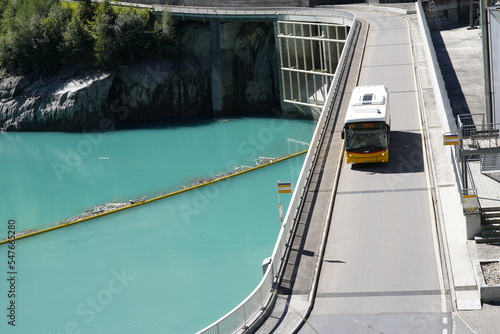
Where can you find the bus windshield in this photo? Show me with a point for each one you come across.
(370, 139)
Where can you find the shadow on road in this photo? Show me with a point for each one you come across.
(405, 156)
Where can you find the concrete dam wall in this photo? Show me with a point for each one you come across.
(223, 67)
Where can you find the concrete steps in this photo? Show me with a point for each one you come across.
(490, 226)
(490, 162)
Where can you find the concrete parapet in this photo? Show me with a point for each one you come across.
(490, 293)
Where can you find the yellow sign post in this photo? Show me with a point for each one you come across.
(470, 203)
(284, 187)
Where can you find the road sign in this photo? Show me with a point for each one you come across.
(450, 139)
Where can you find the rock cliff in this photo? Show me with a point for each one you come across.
(160, 89)
(99, 101)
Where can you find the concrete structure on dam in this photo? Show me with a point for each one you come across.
(304, 48)
(284, 61)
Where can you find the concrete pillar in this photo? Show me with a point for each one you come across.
(277, 42)
(216, 67)
(472, 225)
(223, 36)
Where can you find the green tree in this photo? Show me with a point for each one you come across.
(48, 37)
(167, 27)
(86, 11)
(31, 34)
(133, 37)
(164, 33)
(44, 35)
(104, 36)
(76, 46)
(3, 6)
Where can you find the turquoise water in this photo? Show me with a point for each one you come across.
(172, 266)
(47, 177)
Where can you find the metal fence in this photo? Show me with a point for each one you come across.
(482, 135)
(262, 297)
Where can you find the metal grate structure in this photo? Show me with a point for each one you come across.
(477, 138)
(309, 54)
(490, 163)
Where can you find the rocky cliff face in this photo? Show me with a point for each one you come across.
(160, 89)
(99, 101)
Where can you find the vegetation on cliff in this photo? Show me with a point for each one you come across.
(47, 35)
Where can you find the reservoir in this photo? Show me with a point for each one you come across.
(171, 266)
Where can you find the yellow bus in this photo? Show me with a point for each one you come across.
(367, 125)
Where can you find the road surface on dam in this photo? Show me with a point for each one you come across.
(382, 271)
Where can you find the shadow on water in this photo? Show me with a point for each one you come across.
(167, 123)
(405, 155)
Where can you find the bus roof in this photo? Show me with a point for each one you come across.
(368, 103)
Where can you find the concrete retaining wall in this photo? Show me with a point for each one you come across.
(490, 293)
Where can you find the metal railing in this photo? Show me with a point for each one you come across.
(323, 15)
(262, 297)
(467, 123)
(475, 133)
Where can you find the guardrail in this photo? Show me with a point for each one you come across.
(259, 11)
(263, 296)
(475, 128)
(323, 15)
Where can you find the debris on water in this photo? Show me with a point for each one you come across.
(100, 209)
(264, 160)
(138, 200)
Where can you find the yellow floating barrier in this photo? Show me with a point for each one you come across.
(132, 205)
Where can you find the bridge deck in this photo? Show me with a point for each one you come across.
(298, 287)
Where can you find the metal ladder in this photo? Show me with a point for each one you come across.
(434, 14)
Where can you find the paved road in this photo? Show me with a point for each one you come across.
(382, 269)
